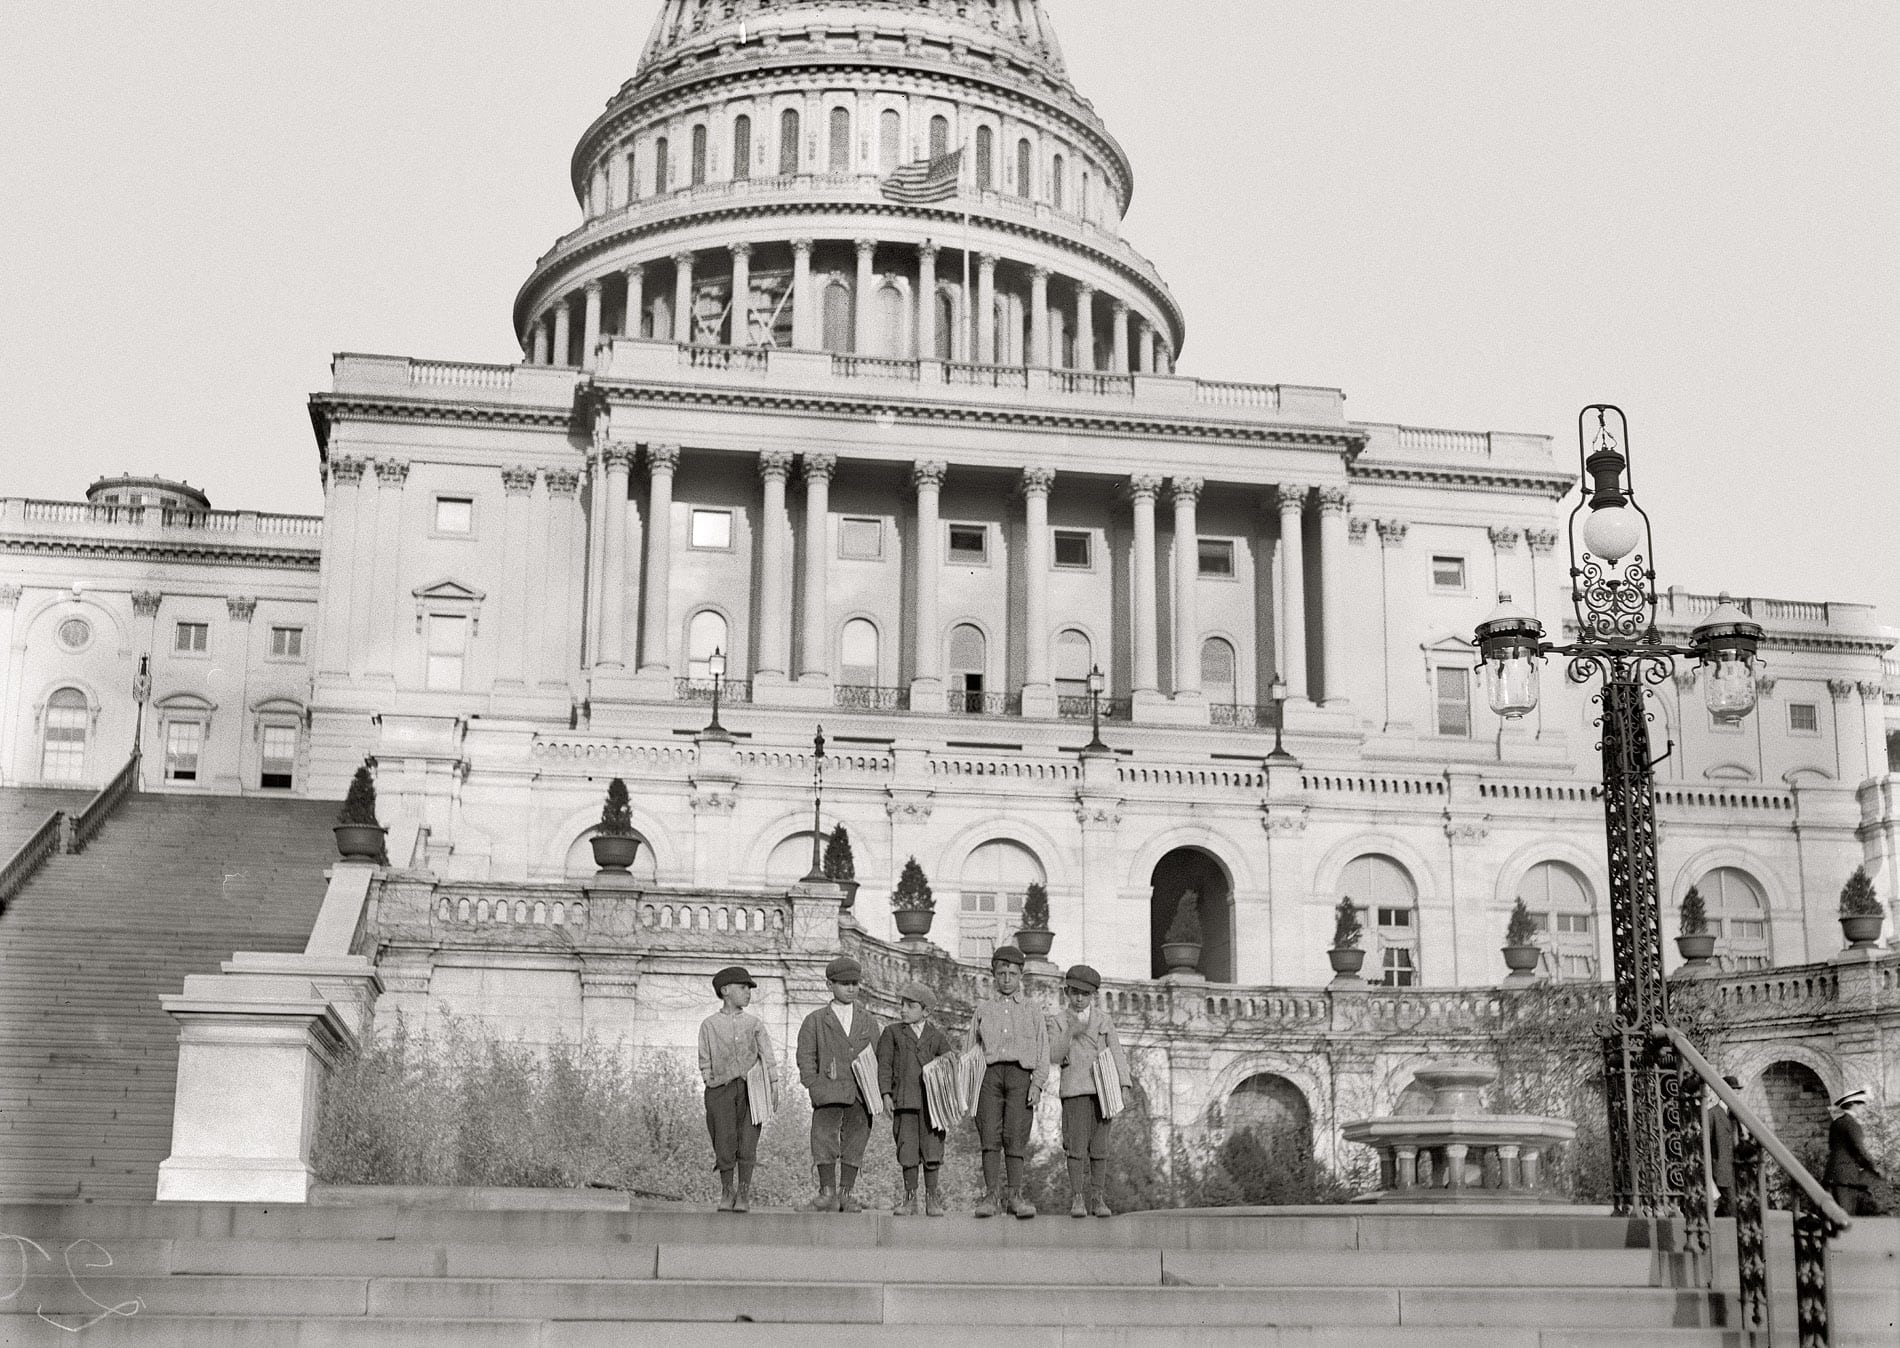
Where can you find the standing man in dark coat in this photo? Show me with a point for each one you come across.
(1851, 1171)
(829, 1041)
(902, 1051)
(1721, 1128)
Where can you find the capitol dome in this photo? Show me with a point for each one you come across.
(764, 179)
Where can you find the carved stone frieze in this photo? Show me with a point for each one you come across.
(1283, 820)
(712, 801)
(908, 811)
(1101, 814)
(1468, 830)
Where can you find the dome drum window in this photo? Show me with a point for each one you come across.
(75, 634)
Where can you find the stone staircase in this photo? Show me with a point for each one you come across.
(173, 885)
(210, 1275)
(24, 808)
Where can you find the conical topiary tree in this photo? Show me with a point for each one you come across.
(1036, 907)
(839, 864)
(1185, 929)
(1695, 915)
(1520, 929)
(912, 894)
(359, 806)
(1347, 929)
(616, 815)
(1857, 896)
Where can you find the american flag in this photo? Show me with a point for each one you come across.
(925, 180)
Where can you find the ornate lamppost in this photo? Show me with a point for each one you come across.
(716, 666)
(1277, 691)
(1613, 589)
(1097, 682)
(817, 873)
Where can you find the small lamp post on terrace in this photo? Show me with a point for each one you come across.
(1613, 589)
(1277, 691)
(716, 666)
(1097, 682)
(816, 876)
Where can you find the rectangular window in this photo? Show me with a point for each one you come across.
(1395, 917)
(1397, 969)
(1072, 548)
(861, 539)
(286, 643)
(712, 529)
(1217, 557)
(279, 757)
(1578, 923)
(969, 543)
(192, 637)
(1448, 573)
(454, 515)
(1453, 688)
(1804, 718)
(183, 740)
(448, 638)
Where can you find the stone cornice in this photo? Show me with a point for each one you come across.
(213, 554)
(1528, 480)
(1346, 440)
(328, 408)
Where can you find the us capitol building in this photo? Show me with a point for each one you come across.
(912, 469)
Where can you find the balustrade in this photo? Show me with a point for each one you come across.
(1081, 707)
(870, 697)
(731, 691)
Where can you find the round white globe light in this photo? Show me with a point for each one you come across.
(1613, 532)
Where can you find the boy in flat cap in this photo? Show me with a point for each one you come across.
(731, 1043)
(829, 1041)
(902, 1051)
(1851, 1171)
(1087, 1033)
(1010, 1030)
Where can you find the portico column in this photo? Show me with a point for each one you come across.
(636, 300)
(1039, 317)
(801, 294)
(1142, 490)
(928, 475)
(682, 297)
(1120, 330)
(662, 462)
(1290, 500)
(814, 641)
(1084, 326)
(1187, 568)
(775, 567)
(618, 459)
(1333, 505)
(1036, 484)
(1147, 347)
(741, 327)
(861, 297)
(986, 309)
(590, 325)
(540, 341)
(927, 301)
(563, 331)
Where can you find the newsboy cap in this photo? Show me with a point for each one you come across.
(918, 993)
(844, 969)
(1083, 977)
(1005, 954)
(1851, 1099)
(732, 973)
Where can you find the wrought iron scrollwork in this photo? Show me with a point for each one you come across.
(1614, 602)
(1751, 1253)
(1811, 1231)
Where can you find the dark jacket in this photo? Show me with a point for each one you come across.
(1721, 1146)
(1847, 1159)
(901, 1056)
(825, 1054)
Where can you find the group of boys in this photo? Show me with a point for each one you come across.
(1019, 1047)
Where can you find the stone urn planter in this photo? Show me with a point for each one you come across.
(913, 923)
(1036, 944)
(1521, 960)
(1696, 953)
(1862, 930)
(1346, 960)
(364, 842)
(614, 853)
(1181, 957)
(850, 899)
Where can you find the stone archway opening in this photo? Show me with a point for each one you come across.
(1268, 1151)
(1796, 1101)
(1185, 872)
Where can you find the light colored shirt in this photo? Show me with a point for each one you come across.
(844, 1011)
(729, 1043)
(1011, 1029)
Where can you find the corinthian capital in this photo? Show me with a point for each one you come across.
(1185, 490)
(619, 454)
(518, 480)
(1144, 486)
(663, 459)
(820, 464)
(1289, 498)
(347, 469)
(1541, 540)
(392, 472)
(1392, 532)
(928, 473)
(775, 465)
(1504, 537)
(1038, 480)
(1334, 500)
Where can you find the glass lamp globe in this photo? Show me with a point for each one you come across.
(716, 664)
(1729, 687)
(1611, 533)
(1726, 642)
(1509, 642)
(1097, 680)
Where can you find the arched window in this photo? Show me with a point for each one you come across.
(1023, 159)
(994, 883)
(939, 137)
(946, 325)
(63, 749)
(790, 860)
(967, 668)
(1738, 918)
(890, 137)
(857, 653)
(1086, 203)
(890, 322)
(742, 146)
(704, 635)
(838, 335)
(1383, 890)
(788, 142)
(840, 140)
(699, 156)
(1217, 671)
(985, 158)
(1055, 182)
(1074, 657)
(1558, 900)
(659, 166)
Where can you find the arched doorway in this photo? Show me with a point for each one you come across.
(1268, 1151)
(1190, 871)
(1796, 1100)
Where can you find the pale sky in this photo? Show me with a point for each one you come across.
(1469, 215)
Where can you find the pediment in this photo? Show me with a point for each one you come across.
(185, 702)
(449, 591)
(1729, 772)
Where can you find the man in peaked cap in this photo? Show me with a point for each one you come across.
(1851, 1170)
(829, 1041)
(1720, 1127)
(1010, 1029)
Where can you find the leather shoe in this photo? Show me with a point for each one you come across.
(992, 1203)
(742, 1198)
(848, 1202)
(1018, 1206)
(933, 1205)
(1078, 1206)
(908, 1207)
(826, 1201)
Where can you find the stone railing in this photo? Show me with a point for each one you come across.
(29, 856)
(588, 751)
(488, 914)
(749, 359)
(1022, 769)
(1419, 439)
(869, 697)
(168, 518)
(1683, 608)
(794, 763)
(92, 816)
(1224, 394)
(1361, 784)
(1221, 779)
(461, 375)
(986, 376)
(875, 367)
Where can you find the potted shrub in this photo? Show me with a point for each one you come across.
(840, 867)
(912, 903)
(1694, 939)
(1034, 938)
(614, 843)
(1520, 953)
(359, 837)
(1345, 955)
(1181, 947)
(1861, 914)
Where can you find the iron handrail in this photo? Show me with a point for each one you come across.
(93, 816)
(29, 856)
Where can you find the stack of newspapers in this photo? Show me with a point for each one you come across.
(1108, 1084)
(761, 1089)
(950, 1086)
(864, 1068)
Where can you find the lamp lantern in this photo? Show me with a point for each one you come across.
(1726, 643)
(1510, 642)
(716, 664)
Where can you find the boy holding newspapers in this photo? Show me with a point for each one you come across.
(1094, 1071)
(837, 1062)
(740, 1070)
(921, 1113)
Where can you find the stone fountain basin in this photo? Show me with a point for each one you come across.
(1473, 1130)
